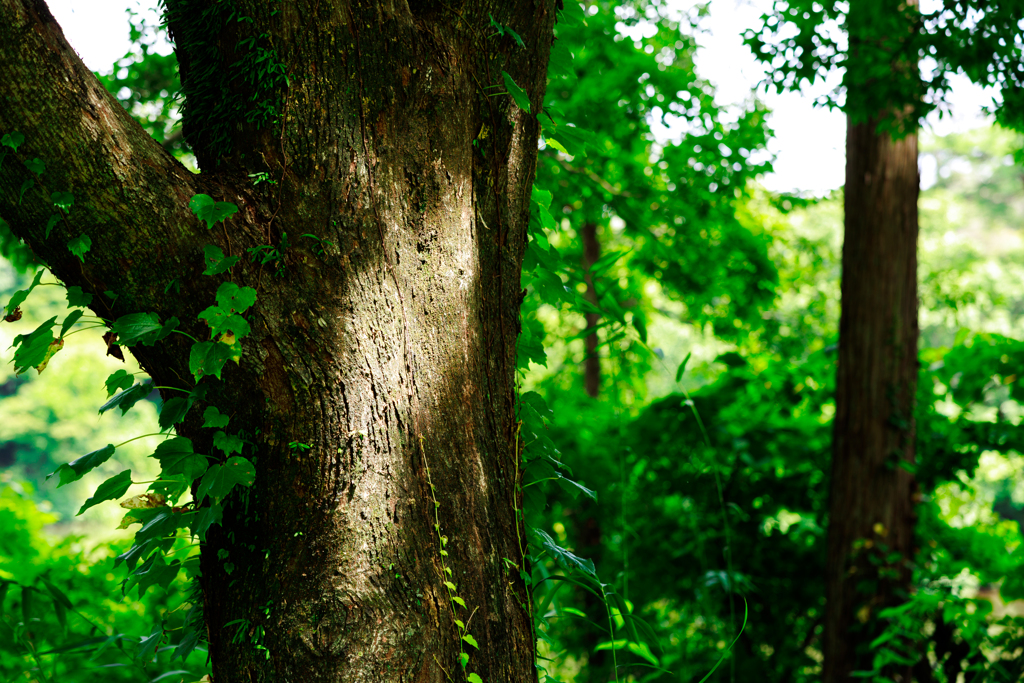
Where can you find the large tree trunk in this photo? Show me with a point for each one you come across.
(388, 348)
(871, 516)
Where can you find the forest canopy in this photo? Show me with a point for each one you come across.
(442, 401)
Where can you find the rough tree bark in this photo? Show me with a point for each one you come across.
(389, 352)
(871, 508)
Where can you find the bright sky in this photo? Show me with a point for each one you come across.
(809, 142)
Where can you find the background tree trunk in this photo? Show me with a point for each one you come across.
(383, 346)
(591, 359)
(871, 498)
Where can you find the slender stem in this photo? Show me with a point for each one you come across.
(143, 436)
(188, 335)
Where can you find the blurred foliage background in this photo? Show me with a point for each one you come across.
(712, 308)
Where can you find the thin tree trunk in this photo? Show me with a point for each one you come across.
(871, 514)
(591, 360)
(382, 349)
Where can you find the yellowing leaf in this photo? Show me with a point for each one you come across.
(144, 500)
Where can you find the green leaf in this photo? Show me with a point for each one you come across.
(517, 93)
(112, 488)
(80, 245)
(153, 572)
(32, 349)
(36, 166)
(463, 659)
(213, 418)
(26, 604)
(76, 297)
(173, 411)
(560, 62)
(62, 200)
(58, 594)
(147, 645)
(228, 443)
(29, 182)
(471, 640)
(76, 469)
(177, 457)
(208, 358)
(209, 211)
(563, 557)
(221, 321)
(120, 380)
(138, 328)
(235, 299)
(474, 678)
(215, 261)
(128, 398)
(205, 518)
(572, 14)
(19, 296)
(50, 222)
(12, 140)
(220, 479)
(72, 318)
(682, 367)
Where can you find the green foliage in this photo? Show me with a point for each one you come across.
(211, 104)
(799, 43)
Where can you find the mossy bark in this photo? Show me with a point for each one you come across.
(383, 338)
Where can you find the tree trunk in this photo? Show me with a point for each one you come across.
(591, 359)
(383, 337)
(871, 516)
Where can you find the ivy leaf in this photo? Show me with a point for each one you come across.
(24, 188)
(136, 328)
(220, 479)
(173, 411)
(112, 488)
(235, 299)
(208, 358)
(517, 93)
(221, 321)
(205, 518)
(209, 211)
(119, 380)
(76, 297)
(463, 659)
(33, 347)
(471, 640)
(50, 222)
(153, 572)
(177, 457)
(474, 678)
(19, 297)
(62, 200)
(229, 443)
(36, 166)
(80, 245)
(13, 140)
(74, 470)
(128, 398)
(55, 346)
(215, 261)
(213, 418)
(72, 318)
